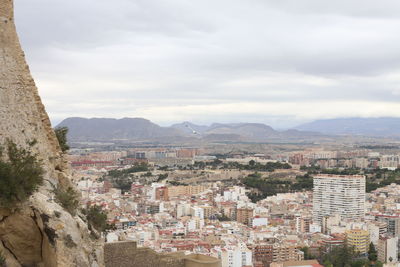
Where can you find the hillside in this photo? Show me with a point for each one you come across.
(105, 129)
(138, 129)
(385, 127)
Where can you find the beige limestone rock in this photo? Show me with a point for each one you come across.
(40, 232)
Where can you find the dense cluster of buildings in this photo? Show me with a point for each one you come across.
(171, 156)
(338, 159)
(362, 159)
(217, 219)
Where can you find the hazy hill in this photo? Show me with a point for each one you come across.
(138, 129)
(385, 127)
(250, 131)
(103, 129)
(245, 132)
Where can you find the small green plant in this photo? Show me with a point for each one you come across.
(61, 134)
(97, 218)
(21, 174)
(67, 198)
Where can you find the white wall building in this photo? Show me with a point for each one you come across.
(183, 209)
(236, 256)
(339, 194)
(197, 212)
(387, 249)
(260, 222)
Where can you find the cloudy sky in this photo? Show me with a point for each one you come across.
(280, 62)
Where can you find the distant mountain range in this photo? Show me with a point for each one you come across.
(377, 127)
(138, 129)
(105, 129)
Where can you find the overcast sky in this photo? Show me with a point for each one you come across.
(280, 62)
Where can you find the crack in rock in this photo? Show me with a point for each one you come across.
(34, 218)
(10, 251)
(3, 219)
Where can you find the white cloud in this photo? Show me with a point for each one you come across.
(279, 62)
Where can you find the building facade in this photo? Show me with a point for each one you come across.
(338, 194)
(359, 239)
(388, 249)
(245, 216)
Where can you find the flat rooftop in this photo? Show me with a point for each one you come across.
(340, 176)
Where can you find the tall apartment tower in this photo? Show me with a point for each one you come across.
(338, 194)
(245, 216)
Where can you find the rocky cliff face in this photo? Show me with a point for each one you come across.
(40, 232)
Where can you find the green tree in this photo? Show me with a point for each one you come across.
(372, 254)
(341, 256)
(97, 218)
(162, 177)
(358, 263)
(67, 198)
(307, 254)
(61, 134)
(20, 175)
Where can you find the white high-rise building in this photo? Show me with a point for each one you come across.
(343, 195)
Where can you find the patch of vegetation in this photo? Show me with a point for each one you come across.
(122, 179)
(372, 253)
(142, 167)
(163, 168)
(162, 177)
(20, 175)
(381, 177)
(310, 169)
(350, 171)
(345, 255)
(269, 166)
(269, 187)
(223, 218)
(61, 134)
(67, 198)
(303, 182)
(147, 174)
(307, 254)
(124, 183)
(176, 183)
(255, 197)
(97, 218)
(252, 165)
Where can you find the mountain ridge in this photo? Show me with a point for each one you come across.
(375, 127)
(139, 129)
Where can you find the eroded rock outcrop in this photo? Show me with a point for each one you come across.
(40, 232)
